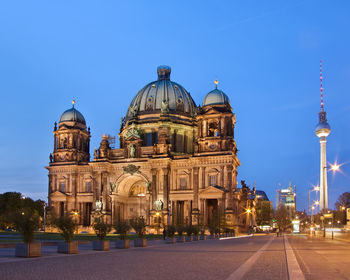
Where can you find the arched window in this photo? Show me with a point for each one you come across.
(213, 129)
(62, 186)
(138, 189)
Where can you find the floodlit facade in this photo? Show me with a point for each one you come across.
(176, 160)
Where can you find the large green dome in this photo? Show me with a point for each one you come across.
(160, 94)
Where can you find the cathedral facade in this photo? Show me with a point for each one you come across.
(176, 164)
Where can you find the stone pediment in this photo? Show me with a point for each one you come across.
(58, 194)
(212, 111)
(211, 190)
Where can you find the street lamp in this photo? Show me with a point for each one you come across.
(44, 226)
(248, 212)
(314, 189)
(335, 167)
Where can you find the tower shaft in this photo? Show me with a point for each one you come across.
(323, 176)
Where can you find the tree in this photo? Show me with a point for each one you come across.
(283, 218)
(12, 203)
(101, 229)
(343, 201)
(26, 223)
(122, 228)
(139, 225)
(66, 226)
(263, 212)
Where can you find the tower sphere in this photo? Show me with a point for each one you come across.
(323, 129)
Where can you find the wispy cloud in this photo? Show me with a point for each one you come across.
(258, 17)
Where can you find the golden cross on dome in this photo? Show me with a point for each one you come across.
(216, 82)
(73, 102)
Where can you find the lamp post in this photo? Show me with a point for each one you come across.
(249, 211)
(158, 221)
(44, 226)
(140, 195)
(314, 189)
(324, 192)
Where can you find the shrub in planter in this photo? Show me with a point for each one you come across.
(180, 230)
(101, 230)
(122, 228)
(171, 233)
(189, 232)
(195, 230)
(66, 226)
(202, 233)
(139, 225)
(26, 223)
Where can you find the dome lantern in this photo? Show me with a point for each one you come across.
(163, 72)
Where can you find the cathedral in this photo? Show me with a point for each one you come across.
(176, 164)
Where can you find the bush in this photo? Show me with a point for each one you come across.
(189, 230)
(212, 228)
(101, 229)
(180, 230)
(139, 225)
(66, 226)
(122, 228)
(195, 230)
(171, 231)
(26, 223)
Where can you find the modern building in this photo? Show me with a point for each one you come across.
(286, 198)
(261, 195)
(176, 160)
(322, 130)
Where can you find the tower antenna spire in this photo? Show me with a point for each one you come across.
(321, 80)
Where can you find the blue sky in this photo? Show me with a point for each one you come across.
(264, 53)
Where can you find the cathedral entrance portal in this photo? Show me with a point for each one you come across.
(212, 206)
(132, 199)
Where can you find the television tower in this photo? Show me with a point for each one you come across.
(322, 131)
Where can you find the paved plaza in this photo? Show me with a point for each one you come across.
(258, 257)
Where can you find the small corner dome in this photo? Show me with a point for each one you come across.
(72, 115)
(216, 97)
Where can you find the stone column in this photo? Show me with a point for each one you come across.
(203, 177)
(205, 210)
(205, 128)
(229, 169)
(165, 188)
(220, 204)
(154, 186)
(222, 121)
(74, 190)
(222, 177)
(195, 187)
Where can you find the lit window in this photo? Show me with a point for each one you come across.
(88, 186)
(212, 180)
(183, 183)
(62, 186)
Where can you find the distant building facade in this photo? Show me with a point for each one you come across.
(286, 198)
(176, 160)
